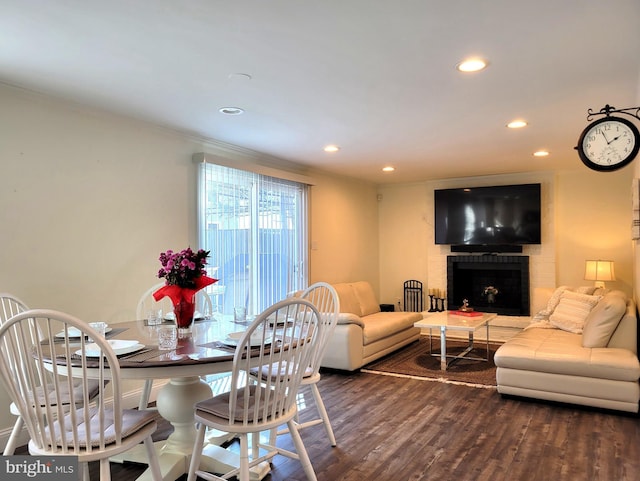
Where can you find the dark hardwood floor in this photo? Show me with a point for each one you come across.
(399, 429)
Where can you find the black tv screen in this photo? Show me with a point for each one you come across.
(488, 216)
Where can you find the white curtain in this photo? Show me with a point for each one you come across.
(255, 228)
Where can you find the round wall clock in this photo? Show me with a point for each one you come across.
(608, 144)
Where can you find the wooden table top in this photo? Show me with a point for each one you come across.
(197, 353)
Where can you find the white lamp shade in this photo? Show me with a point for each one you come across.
(599, 271)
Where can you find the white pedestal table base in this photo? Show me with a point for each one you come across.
(175, 404)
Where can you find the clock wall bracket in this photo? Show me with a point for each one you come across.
(608, 110)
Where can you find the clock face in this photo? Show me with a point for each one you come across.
(608, 144)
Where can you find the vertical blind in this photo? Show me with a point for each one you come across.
(256, 231)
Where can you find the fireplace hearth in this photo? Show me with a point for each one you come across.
(491, 283)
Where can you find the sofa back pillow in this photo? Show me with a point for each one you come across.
(348, 300)
(553, 301)
(366, 297)
(572, 310)
(603, 320)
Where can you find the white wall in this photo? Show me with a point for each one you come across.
(405, 227)
(416, 246)
(343, 231)
(89, 200)
(635, 243)
(593, 219)
(586, 215)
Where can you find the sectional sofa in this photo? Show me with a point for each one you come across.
(581, 349)
(365, 333)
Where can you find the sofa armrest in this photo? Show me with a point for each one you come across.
(349, 318)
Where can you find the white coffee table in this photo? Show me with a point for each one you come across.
(448, 321)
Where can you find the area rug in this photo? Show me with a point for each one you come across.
(415, 361)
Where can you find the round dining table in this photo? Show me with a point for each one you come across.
(200, 352)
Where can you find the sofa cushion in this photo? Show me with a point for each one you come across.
(366, 298)
(383, 324)
(348, 300)
(572, 310)
(555, 298)
(589, 290)
(603, 320)
(357, 298)
(560, 352)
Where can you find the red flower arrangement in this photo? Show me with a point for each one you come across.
(185, 275)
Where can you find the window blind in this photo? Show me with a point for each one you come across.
(255, 228)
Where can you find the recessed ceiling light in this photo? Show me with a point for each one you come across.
(331, 148)
(472, 65)
(388, 168)
(517, 124)
(231, 110)
(541, 153)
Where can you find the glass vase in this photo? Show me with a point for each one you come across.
(183, 310)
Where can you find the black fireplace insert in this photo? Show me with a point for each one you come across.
(491, 283)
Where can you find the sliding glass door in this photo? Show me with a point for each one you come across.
(255, 228)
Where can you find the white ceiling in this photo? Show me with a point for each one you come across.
(376, 77)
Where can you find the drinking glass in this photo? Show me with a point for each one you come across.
(239, 314)
(154, 317)
(167, 338)
(100, 327)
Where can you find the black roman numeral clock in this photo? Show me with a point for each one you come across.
(609, 143)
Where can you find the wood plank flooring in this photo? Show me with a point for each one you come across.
(403, 429)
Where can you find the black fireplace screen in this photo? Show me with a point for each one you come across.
(491, 283)
(413, 296)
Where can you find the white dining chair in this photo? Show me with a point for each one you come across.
(146, 303)
(204, 304)
(216, 293)
(10, 306)
(251, 407)
(326, 300)
(58, 412)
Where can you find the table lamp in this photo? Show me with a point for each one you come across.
(599, 271)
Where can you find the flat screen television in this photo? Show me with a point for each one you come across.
(505, 215)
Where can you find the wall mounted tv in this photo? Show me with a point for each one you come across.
(491, 219)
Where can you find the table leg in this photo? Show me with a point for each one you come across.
(487, 341)
(443, 348)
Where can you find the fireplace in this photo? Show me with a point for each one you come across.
(471, 277)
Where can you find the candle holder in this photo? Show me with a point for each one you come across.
(440, 304)
(432, 303)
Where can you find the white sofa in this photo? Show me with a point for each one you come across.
(364, 333)
(577, 350)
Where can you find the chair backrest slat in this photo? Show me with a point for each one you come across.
(325, 298)
(280, 344)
